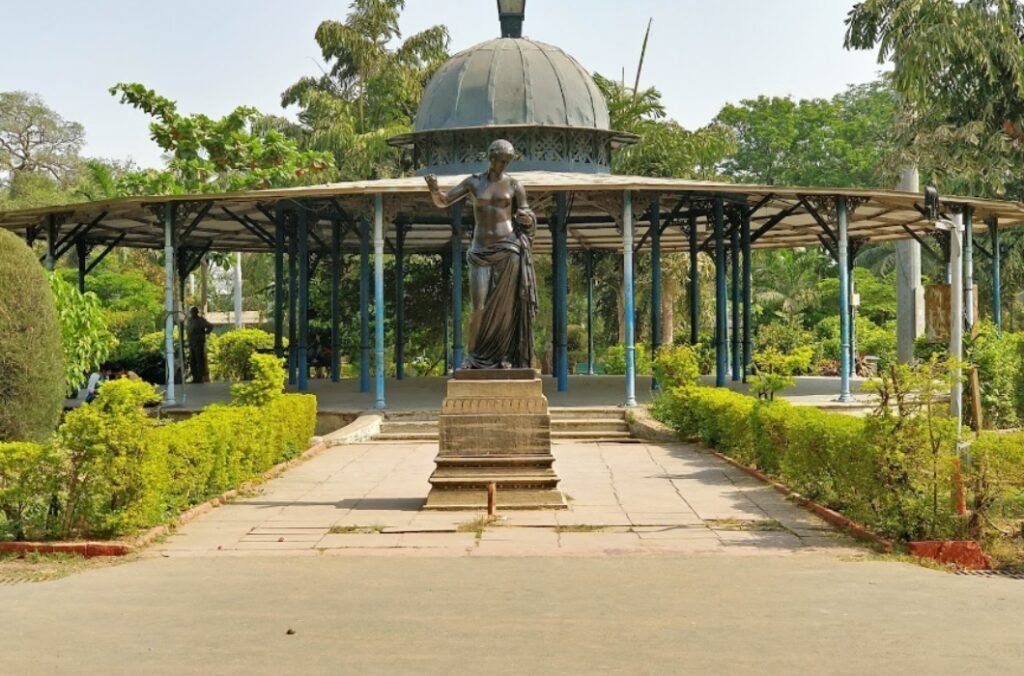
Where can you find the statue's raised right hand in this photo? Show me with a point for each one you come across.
(431, 180)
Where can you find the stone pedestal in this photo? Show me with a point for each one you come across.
(495, 428)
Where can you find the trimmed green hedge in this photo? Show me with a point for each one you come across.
(112, 469)
(880, 470)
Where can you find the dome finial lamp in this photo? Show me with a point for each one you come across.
(511, 14)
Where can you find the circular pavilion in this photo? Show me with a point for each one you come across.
(547, 104)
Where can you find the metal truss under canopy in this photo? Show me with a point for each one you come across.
(780, 216)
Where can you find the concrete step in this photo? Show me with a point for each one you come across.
(409, 426)
(410, 436)
(589, 425)
(578, 435)
(578, 412)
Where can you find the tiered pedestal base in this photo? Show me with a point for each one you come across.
(495, 428)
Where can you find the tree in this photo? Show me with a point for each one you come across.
(367, 92)
(87, 340)
(208, 155)
(843, 142)
(36, 140)
(959, 68)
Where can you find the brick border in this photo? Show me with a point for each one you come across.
(831, 516)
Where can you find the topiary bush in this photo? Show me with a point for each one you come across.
(229, 353)
(32, 388)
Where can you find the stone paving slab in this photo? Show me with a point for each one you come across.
(624, 499)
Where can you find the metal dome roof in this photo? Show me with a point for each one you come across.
(511, 81)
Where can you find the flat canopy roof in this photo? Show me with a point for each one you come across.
(781, 216)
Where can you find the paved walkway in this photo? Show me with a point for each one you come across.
(625, 499)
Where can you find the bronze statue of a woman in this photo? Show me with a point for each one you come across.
(501, 279)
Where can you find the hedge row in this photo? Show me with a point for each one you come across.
(893, 473)
(112, 469)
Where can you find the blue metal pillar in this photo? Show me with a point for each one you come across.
(400, 301)
(655, 237)
(842, 216)
(445, 282)
(335, 298)
(627, 283)
(456, 211)
(302, 361)
(734, 265)
(968, 267)
(168, 298)
(747, 275)
(997, 279)
(378, 298)
(293, 305)
(721, 308)
(561, 304)
(590, 312)
(279, 283)
(364, 305)
(694, 290)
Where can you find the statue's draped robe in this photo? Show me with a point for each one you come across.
(504, 332)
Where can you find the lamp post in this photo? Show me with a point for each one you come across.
(511, 13)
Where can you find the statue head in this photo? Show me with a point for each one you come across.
(194, 311)
(501, 151)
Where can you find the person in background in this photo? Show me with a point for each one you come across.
(96, 378)
(198, 329)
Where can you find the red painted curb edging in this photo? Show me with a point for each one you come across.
(123, 548)
(961, 553)
(831, 516)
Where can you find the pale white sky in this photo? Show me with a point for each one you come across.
(211, 55)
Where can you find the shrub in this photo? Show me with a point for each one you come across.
(676, 366)
(115, 473)
(120, 470)
(28, 474)
(268, 379)
(774, 371)
(614, 360)
(229, 353)
(32, 387)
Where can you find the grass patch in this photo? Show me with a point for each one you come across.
(477, 526)
(899, 557)
(579, 528)
(1007, 553)
(36, 567)
(745, 524)
(355, 530)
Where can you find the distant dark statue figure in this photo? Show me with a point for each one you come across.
(198, 329)
(501, 279)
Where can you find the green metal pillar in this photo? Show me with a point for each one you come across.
(302, 360)
(378, 299)
(734, 302)
(82, 254)
(627, 283)
(997, 280)
(335, 298)
(694, 290)
(445, 283)
(400, 301)
(364, 305)
(655, 237)
(561, 271)
(590, 311)
(279, 282)
(747, 278)
(842, 217)
(456, 213)
(721, 301)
